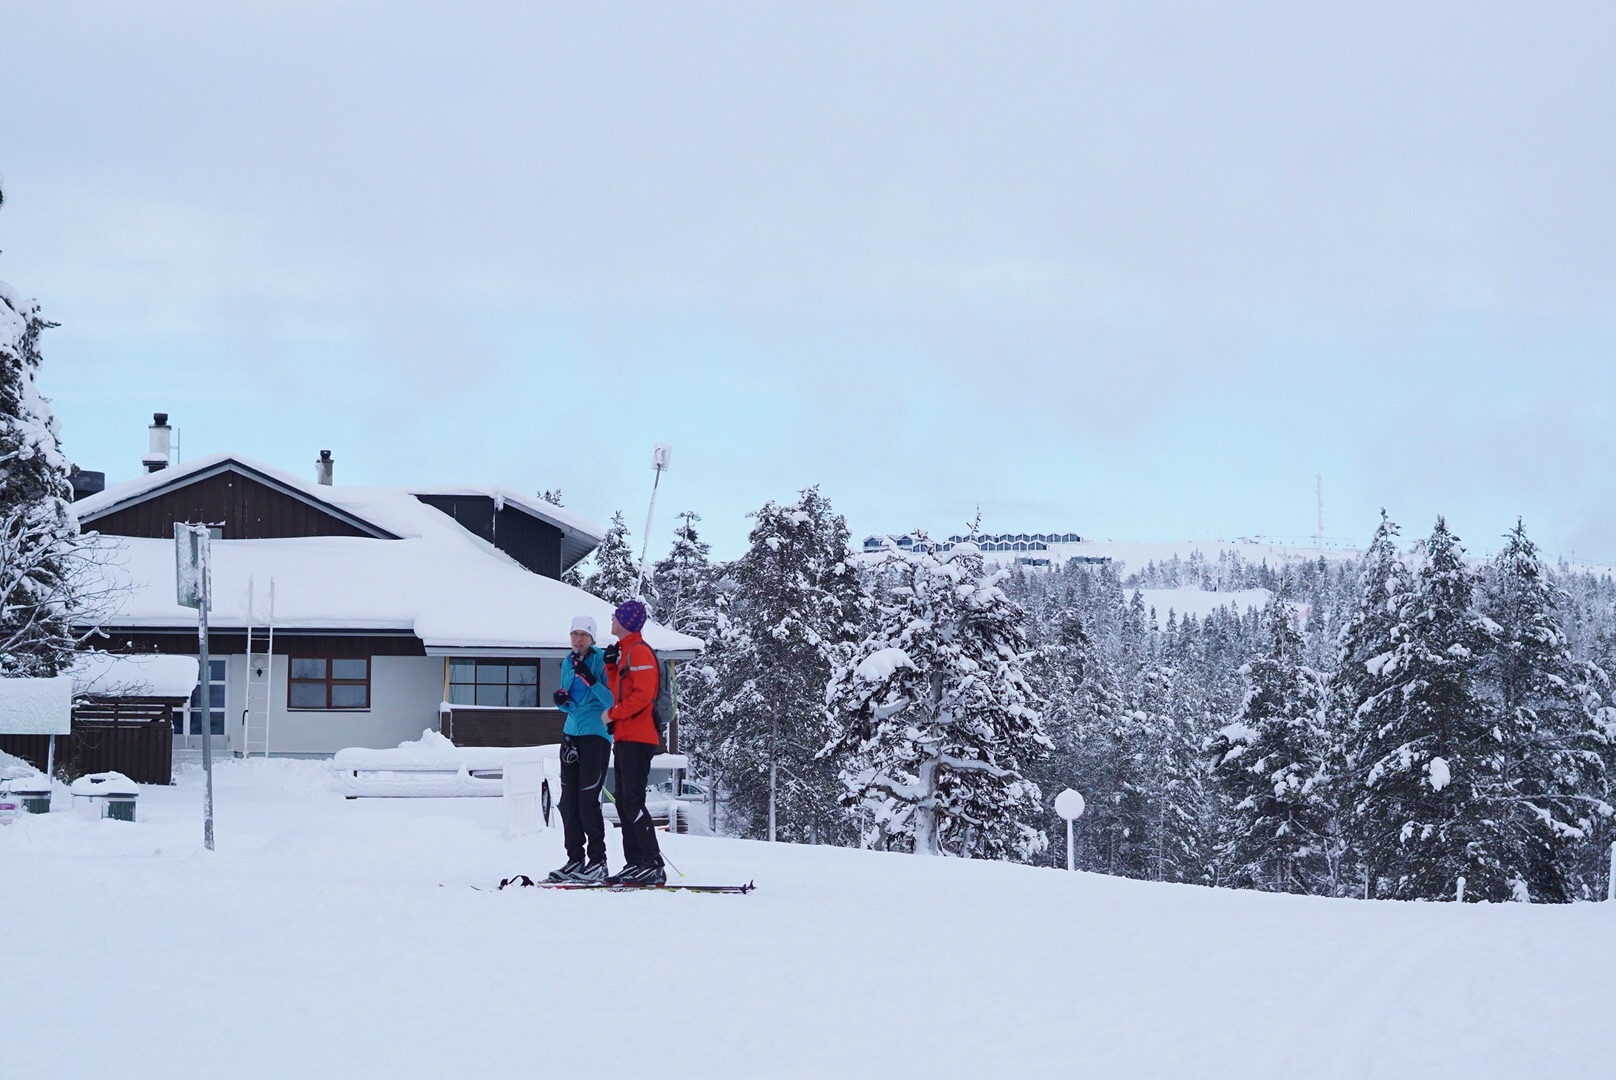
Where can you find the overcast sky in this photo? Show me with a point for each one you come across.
(1133, 270)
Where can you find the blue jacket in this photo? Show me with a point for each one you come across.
(588, 702)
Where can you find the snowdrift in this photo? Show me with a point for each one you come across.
(329, 937)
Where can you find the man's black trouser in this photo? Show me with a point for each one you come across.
(583, 770)
(639, 835)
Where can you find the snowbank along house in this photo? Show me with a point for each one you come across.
(349, 616)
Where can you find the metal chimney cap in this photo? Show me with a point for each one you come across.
(325, 455)
(159, 419)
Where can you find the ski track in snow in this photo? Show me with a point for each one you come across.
(337, 938)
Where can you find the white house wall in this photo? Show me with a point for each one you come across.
(405, 692)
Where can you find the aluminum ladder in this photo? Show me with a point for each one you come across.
(260, 666)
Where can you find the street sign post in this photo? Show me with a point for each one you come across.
(193, 587)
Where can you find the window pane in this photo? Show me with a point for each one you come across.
(490, 673)
(462, 671)
(308, 669)
(179, 721)
(217, 669)
(349, 696)
(525, 674)
(216, 722)
(307, 695)
(459, 694)
(350, 669)
(215, 696)
(525, 697)
(491, 695)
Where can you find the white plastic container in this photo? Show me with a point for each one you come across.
(105, 795)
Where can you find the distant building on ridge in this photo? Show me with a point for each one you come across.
(1028, 549)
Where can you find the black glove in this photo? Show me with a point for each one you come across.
(581, 670)
(611, 653)
(562, 699)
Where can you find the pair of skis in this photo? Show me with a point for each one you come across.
(523, 881)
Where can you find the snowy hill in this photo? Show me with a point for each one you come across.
(336, 938)
(1200, 602)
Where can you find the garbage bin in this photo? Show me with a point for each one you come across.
(105, 795)
(34, 794)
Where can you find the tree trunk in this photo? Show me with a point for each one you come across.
(926, 842)
(774, 767)
(926, 838)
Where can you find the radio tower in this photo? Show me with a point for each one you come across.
(1318, 490)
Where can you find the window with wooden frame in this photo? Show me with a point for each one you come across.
(328, 682)
(509, 683)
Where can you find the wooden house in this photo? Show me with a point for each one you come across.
(351, 616)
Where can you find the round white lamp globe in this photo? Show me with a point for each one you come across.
(1069, 805)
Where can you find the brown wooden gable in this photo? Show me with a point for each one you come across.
(250, 508)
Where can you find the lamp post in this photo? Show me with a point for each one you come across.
(660, 458)
(1069, 805)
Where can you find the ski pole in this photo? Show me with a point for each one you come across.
(613, 799)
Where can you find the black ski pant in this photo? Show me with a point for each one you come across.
(583, 770)
(639, 834)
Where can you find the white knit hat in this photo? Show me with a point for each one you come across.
(585, 623)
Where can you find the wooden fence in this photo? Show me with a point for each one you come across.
(134, 736)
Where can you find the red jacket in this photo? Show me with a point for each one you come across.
(633, 681)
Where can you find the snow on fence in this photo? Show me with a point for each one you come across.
(528, 790)
(429, 767)
(432, 767)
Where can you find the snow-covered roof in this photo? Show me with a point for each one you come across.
(380, 511)
(142, 675)
(419, 571)
(452, 590)
(36, 706)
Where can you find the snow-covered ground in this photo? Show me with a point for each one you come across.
(328, 937)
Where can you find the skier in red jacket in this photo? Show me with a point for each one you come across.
(632, 676)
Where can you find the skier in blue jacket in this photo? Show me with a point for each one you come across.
(586, 747)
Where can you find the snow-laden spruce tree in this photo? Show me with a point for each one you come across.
(1078, 685)
(687, 599)
(615, 573)
(791, 602)
(1429, 752)
(1383, 586)
(684, 581)
(1368, 635)
(936, 717)
(1551, 728)
(1271, 762)
(41, 564)
(1188, 817)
